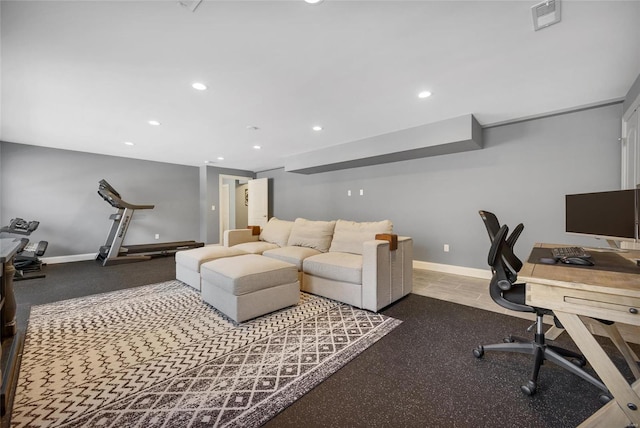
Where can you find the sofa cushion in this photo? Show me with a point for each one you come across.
(276, 231)
(312, 234)
(343, 267)
(349, 236)
(193, 258)
(293, 255)
(256, 247)
(248, 273)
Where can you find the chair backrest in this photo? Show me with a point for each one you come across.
(493, 226)
(502, 280)
(491, 223)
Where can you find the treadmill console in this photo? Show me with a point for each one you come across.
(21, 227)
(109, 194)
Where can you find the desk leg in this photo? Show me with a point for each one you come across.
(630, 357)
(553, 332)
(623, 394)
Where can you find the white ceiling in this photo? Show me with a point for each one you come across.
(88, 75)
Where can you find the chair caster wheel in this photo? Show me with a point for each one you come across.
(508, 339)
(528, 389)
(605, 398)
(478, 352)
(580, 362)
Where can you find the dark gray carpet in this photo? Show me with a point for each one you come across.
(421, 374)
(70, 280)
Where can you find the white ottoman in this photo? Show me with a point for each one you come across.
(248, 286)
(188, 262)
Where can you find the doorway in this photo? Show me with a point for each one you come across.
(233, 191)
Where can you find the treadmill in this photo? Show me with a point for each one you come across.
(113, 252)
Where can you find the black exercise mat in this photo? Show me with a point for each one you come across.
(609, 261)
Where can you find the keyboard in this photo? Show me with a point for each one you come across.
(565, 252)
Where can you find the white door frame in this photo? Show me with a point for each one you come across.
(224, 206)
(627, 151)
(221, 179)
(629, 158)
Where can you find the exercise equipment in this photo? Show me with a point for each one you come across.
(26, 262)
(113, 252)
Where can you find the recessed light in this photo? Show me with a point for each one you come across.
(128, 143)
(317, 128)
(154, 123)
(207, 161)
(424, 94)
(257, 147)
(220, 158)
(199, 86)
(313, 1)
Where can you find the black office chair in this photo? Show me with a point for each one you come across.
(493, 227)
(505, 292)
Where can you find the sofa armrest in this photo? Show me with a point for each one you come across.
(376, 274)
(386, 275)
(238, 236)
(391, 237)
(402, 268)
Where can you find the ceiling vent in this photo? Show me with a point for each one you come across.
(545, 14)
(190, 4)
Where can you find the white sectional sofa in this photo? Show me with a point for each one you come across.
(360, 263)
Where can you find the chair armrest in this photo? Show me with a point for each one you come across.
(238, 236)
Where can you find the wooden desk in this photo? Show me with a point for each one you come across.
(10, 344)
(572, 292)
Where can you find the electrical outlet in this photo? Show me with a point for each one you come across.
(213, 207)
(348, 192)
(157, 236)
(446, 248)
(361, 192)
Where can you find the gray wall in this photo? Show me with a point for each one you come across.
(242, 210)
(0, 117)
(522, 175)
(59, 189)
(632, 95)
(1, 219)
(210, 195)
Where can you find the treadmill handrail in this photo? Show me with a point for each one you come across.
(116, 202)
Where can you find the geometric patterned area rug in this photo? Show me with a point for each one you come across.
(157, 356)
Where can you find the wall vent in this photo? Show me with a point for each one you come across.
(545, 14)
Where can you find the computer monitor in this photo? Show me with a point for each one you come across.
(608, 215)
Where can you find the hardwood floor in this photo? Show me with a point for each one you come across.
(474, 292)
(460, 289)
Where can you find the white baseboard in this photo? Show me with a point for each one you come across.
(417, 264)
(456, 270)
(67, 259)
